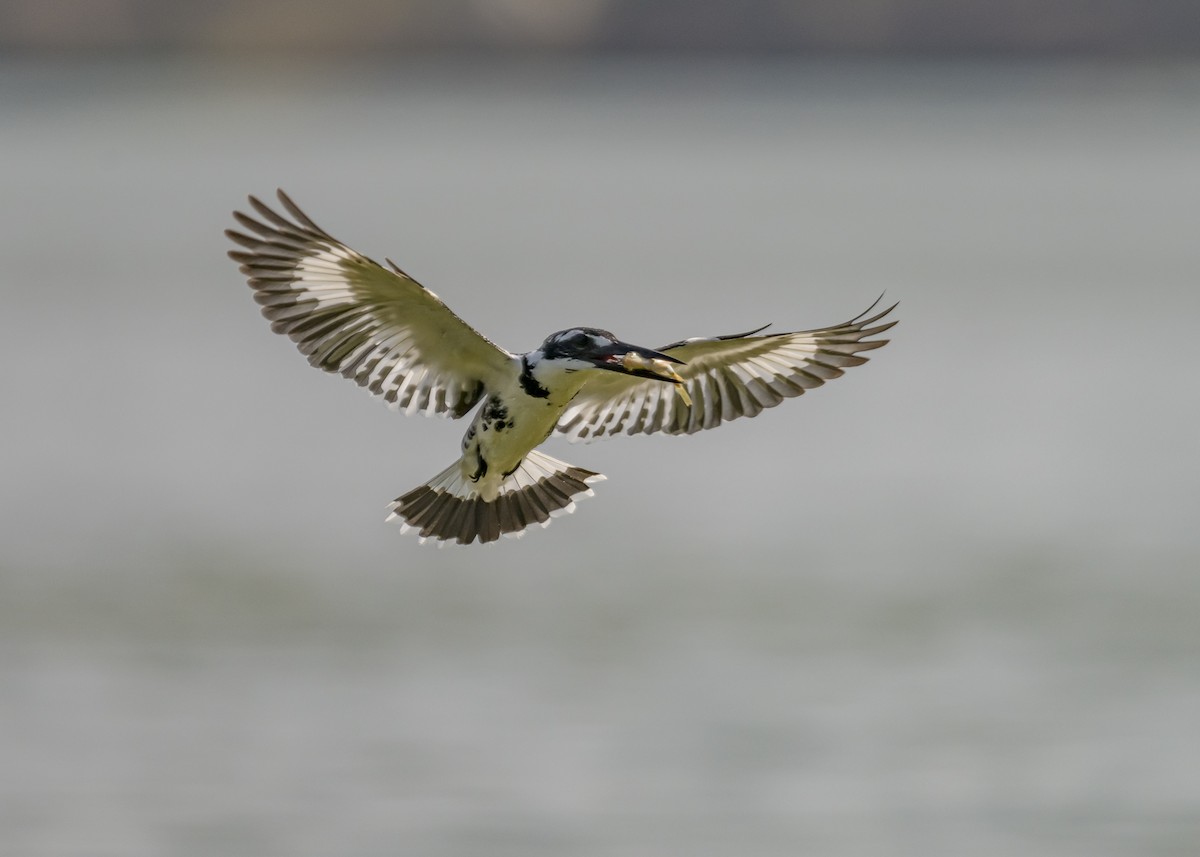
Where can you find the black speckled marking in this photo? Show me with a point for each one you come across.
(495, 416)
(529, 383)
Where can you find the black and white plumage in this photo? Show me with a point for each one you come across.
(383, 330)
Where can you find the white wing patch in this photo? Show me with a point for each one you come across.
(347, 314)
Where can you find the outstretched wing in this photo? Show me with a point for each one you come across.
(347, 314)
(726, 377)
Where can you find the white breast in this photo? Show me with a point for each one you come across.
(509, 424)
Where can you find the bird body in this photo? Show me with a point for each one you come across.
(388, 333)
(509, 424)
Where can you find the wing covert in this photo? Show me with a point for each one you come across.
(347, 314)
(727, 377)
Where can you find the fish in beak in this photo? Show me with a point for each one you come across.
(645, 363)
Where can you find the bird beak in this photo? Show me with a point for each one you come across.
(642, 362)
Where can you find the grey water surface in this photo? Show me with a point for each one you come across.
(948, 604)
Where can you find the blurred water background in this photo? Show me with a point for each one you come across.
(947, 604)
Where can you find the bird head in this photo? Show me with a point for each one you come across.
(592, 348)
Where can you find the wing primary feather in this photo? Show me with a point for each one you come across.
(721, 338)
(301, 217)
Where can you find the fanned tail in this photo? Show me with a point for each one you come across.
(449, 508)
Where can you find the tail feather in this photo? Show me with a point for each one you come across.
(448, 507)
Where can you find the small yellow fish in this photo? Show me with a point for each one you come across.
(661, 368)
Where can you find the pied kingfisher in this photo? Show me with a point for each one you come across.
(384, 330)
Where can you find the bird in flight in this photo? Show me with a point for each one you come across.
(387, 332)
